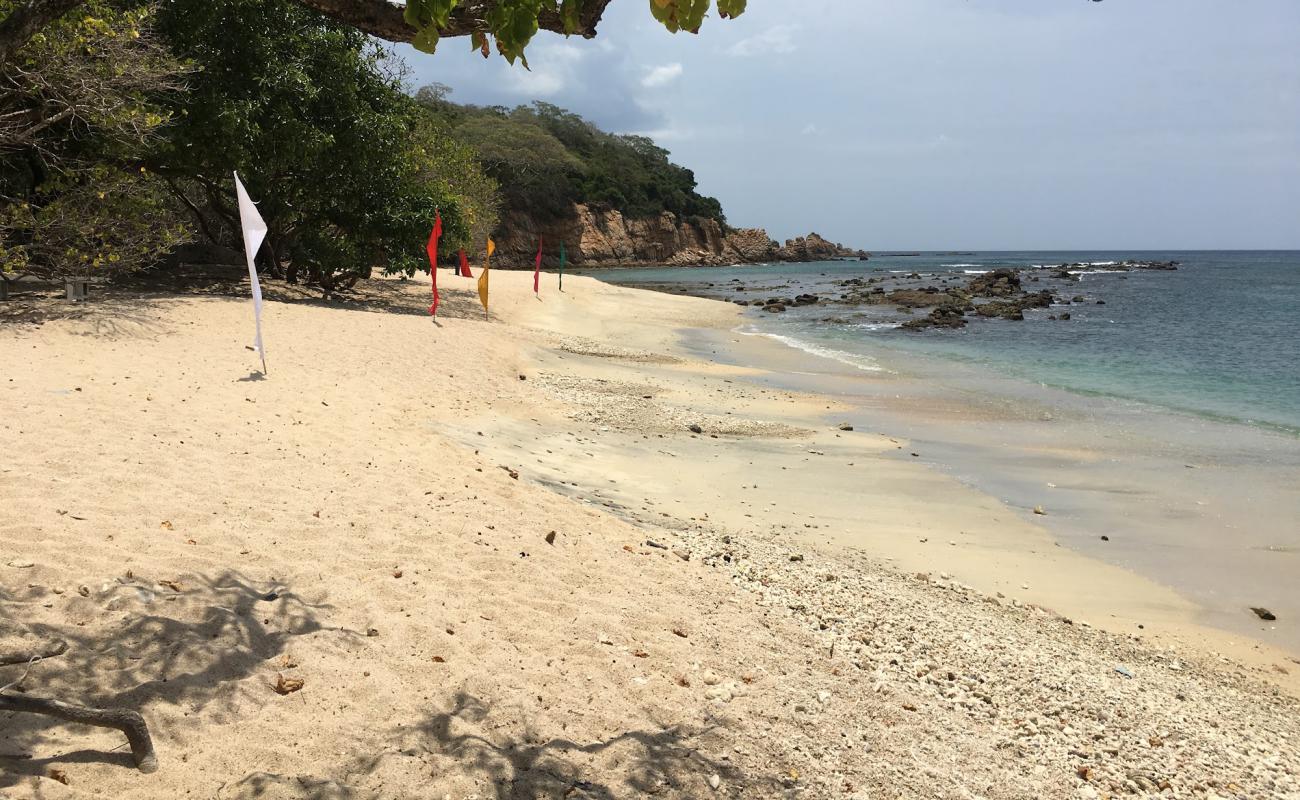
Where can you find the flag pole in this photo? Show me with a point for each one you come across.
(253, 230)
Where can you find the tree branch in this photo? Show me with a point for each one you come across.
(128, 722)
(28, 17)
(383, 19)
(50, 649)
(375, 17)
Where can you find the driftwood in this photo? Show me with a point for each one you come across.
(50, 649)
(128, 722)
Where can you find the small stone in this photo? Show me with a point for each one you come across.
(844, 426)
(17, 564)
(372, 631)
(694, 429)
(1262, 613)
(1039, 511)
(714, 781)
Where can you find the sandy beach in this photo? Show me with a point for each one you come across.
(557, 553)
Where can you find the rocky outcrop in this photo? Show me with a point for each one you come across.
(597, 237)
(814, 248)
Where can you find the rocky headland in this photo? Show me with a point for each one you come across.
(604, 237)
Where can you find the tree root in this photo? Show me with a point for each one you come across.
(128, 722)
(50, 649)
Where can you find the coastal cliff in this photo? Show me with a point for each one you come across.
(604, 237)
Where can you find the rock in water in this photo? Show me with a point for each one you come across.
(1264, 614)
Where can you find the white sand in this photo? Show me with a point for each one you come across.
(367, 483)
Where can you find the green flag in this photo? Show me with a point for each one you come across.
(562, 266)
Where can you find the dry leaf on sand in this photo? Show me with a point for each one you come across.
(285, 685)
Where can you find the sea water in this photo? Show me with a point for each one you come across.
(1219, 337)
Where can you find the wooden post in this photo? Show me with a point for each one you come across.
(76, 288)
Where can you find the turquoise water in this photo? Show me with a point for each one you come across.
(1219, 337)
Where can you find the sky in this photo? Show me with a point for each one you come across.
(950, 124)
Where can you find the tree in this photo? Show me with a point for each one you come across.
(76, 119)
(532, 167)
(345, 166)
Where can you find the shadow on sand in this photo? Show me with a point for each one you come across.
(191, 652)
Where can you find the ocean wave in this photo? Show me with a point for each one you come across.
(961, 265)
(864, 363)
(976, 271)
(876, 326)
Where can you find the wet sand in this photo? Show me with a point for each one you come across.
(1204, 507)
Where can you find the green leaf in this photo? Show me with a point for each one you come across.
(425, 39)
(418, 13)
(666, 12)
(514, 23)
(690, 14)
(571, 15)
(730, 9)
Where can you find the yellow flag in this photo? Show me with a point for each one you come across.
(483, 276)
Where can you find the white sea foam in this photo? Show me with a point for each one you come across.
(865, 363)
(975, 271)
(960, 265)
(876, 326)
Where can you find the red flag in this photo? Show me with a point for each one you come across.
(537, 265)
(432, 249)
(464, 266)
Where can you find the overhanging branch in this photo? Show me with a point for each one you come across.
(383, 19)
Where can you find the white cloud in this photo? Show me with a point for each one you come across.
(662, 75)
(554, 67)
(777, 39)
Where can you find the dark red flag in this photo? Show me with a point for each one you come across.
(537, 265)
(432, 249)
(464, 266)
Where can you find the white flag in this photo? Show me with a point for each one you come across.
(254, 232)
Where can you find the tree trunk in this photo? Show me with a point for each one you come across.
(28, 17)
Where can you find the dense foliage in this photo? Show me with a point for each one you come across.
(348, 170)
(78, 112)
(546, 159)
